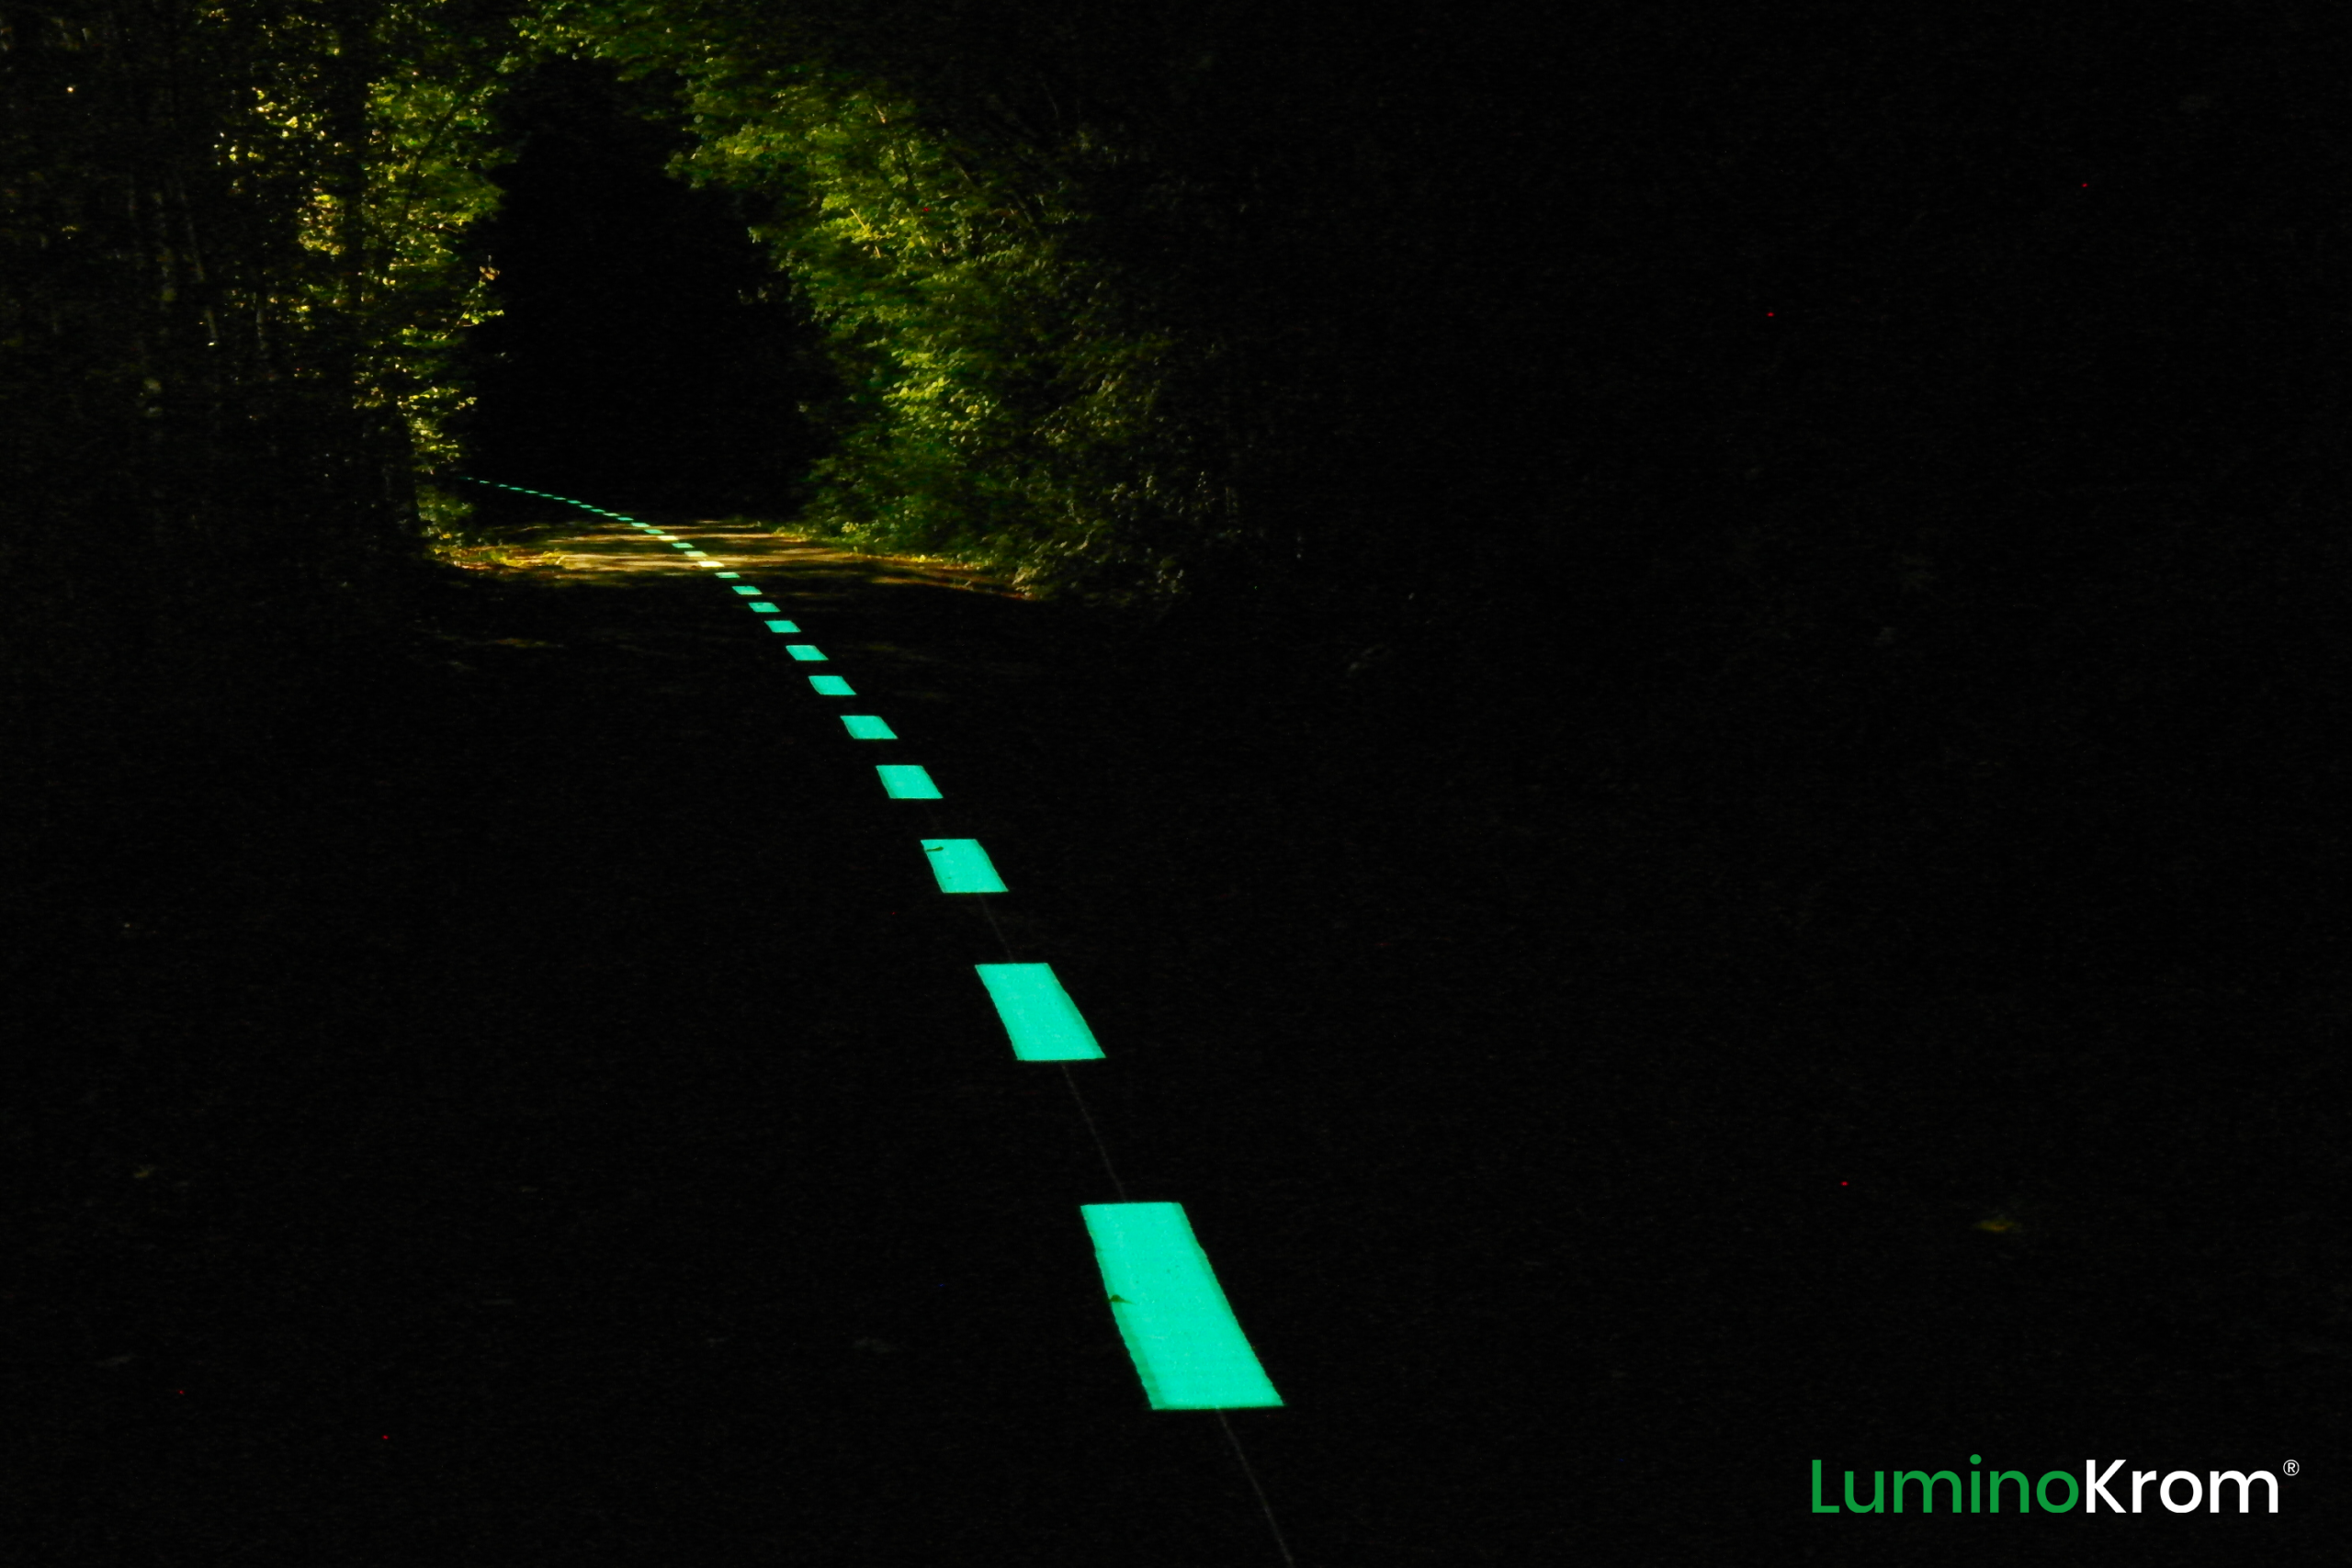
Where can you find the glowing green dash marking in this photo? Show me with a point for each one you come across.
(805, 653)
(784, 627)
(733, 574)
(745, 588)
(866, 727)
(962, 867)
(907, 781)
(1164, 1296)
(1039, 1018)
(763, 607)
(830, 686)
(680, 545)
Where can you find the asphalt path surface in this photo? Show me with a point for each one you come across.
(538, 1107)
(541, 1106)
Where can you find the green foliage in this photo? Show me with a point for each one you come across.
(294, 219)
(373, 136)
(232, 282)
(1073, 340)
(1004, 403)
(444, 514)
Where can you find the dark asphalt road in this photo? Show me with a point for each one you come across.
(539, 1108)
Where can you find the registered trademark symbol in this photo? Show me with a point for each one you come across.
(2292, 1467)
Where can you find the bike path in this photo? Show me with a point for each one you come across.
(540, 1109)
(586, 1132)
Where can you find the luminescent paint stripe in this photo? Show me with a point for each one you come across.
(788, 626)
(698, 552)
(747, 588)
(680, 545)
(1039, 1018)
(762, 605)
(907, 781)
(1178, 1327)
(830, 686)
(806, 653)
(732, 574)
(867, 727)
(962, 867)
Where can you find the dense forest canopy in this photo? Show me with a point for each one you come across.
(1131, 304)
(1082, 275)
(1858, 409)
(233, 309)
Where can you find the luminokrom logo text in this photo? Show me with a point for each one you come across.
(2012, 1491)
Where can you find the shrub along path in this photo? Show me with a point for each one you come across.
(537, 1108)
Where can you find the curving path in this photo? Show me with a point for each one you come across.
(562, 1116)
(542, 1107)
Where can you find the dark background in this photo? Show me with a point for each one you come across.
(1807, 722)
(1909, 442)
(647, 345)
